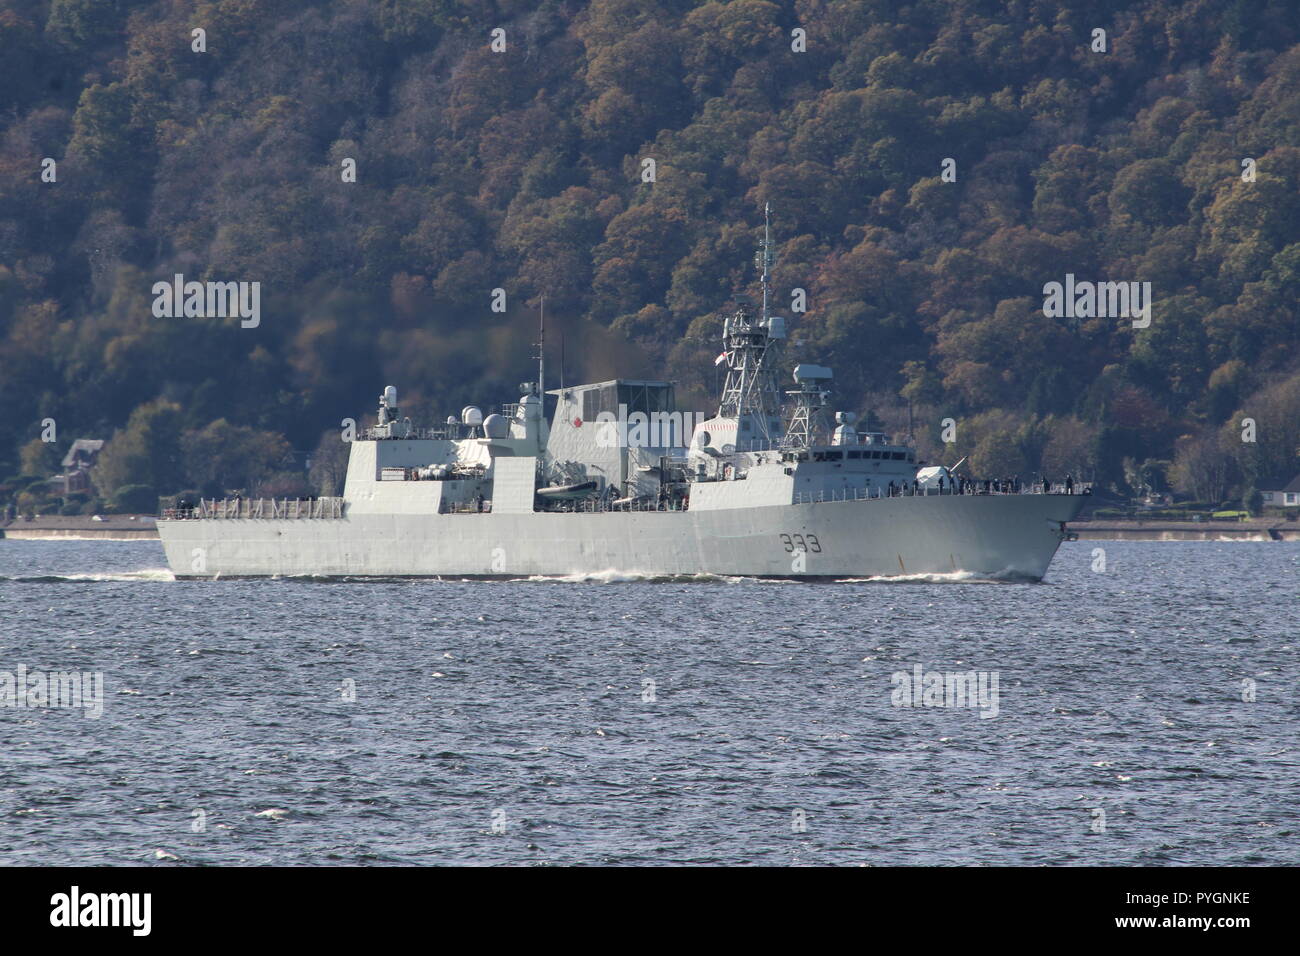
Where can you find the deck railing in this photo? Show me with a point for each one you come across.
(436, 433)
(907, 491)
(253, 508)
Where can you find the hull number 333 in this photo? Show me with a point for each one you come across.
(799, 542)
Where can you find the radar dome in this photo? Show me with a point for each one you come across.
(496, 426)
(471, 415)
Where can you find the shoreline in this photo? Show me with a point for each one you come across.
(1131, 529)
(82, 528)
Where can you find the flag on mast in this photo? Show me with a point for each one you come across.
(720, 359)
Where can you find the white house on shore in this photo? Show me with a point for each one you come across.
(1280, 493)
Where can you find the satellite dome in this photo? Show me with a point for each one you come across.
(471, 415)
(496, 426)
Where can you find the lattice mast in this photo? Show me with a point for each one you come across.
(752, 352)
(808, 400)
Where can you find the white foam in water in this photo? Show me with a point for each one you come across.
(72, 537)
(625, 577)
(145, 574)
(936, 577)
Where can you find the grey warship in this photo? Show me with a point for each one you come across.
(618, 481)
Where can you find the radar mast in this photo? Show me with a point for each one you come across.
(751, 349)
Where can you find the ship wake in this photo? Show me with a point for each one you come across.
(146, 574)
(630, 577)
(946, 577)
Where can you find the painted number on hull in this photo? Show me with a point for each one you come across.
(798, 542)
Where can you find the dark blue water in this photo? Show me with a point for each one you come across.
(521, 704)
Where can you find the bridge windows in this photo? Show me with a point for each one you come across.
(645, 397)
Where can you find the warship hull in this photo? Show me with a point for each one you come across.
(1009, 536)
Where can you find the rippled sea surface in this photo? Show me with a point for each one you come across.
(655, 722)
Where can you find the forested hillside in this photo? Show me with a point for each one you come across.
(524, 169)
